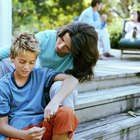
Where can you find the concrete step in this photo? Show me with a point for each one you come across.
(113, 73)
(98, 104)
(116, 127)
(108, 80)
(103, 101)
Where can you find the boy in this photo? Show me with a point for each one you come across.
(21, 106)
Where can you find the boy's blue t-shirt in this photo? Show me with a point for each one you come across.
(24, 105)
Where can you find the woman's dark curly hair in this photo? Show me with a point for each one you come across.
(83, 48)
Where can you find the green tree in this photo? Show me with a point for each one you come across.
(36, 15)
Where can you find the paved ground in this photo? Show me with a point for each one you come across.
(115, 65)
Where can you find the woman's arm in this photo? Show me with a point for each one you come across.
(34, 133)
(4, 53)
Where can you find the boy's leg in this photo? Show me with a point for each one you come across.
(61, 126)
(70, 101)
(56, 137)
(61, 137)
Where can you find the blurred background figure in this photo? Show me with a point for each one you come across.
(132, 26)
(92, 16)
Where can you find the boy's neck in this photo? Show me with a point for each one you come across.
(20, 80)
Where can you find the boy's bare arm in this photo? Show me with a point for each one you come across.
(34, 133)
(68, 85)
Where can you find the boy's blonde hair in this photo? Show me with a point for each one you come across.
(26, 41)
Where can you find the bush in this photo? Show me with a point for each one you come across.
(116, 31)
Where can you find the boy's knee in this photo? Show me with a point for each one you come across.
(65, 121)
(65, 112)
(66, 116)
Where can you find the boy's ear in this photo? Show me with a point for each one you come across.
(11, 58)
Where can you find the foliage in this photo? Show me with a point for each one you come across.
(36, 15)
(120, 8)
(116, 29)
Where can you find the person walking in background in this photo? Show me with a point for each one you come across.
(92, 17)
(23, 114)
(132, 26)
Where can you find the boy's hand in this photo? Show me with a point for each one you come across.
(34, 133)
(50, 110)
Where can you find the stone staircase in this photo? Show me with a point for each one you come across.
(103, 105)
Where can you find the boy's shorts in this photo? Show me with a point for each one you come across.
(64, 121)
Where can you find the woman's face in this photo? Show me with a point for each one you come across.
(134, 16)
(63, 44)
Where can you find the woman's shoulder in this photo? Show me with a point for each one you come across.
(45, 37)
(129, 22)
(5, 81)
(46, 33)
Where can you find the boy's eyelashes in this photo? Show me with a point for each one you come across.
(23, 62)
(32, 63)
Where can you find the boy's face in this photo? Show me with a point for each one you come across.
(24, 63)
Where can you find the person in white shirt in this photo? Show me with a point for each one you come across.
(92, 17)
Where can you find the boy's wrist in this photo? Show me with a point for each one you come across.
(23, 134)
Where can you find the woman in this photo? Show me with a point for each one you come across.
(132, 27)
(72, 49)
